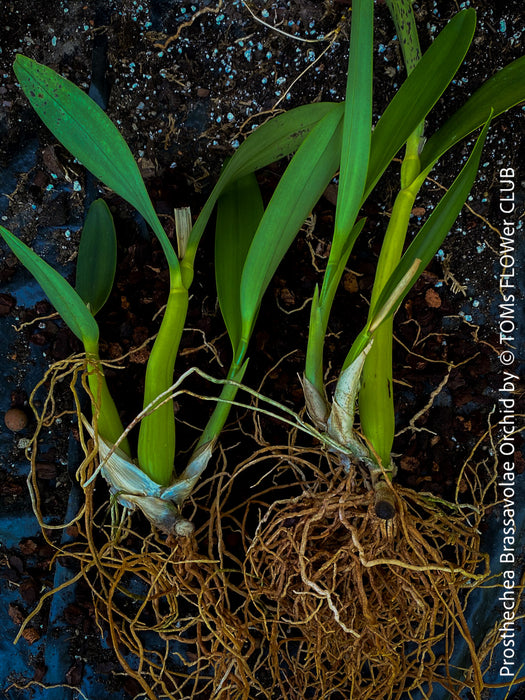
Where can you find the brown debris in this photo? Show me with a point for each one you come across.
(433, 299)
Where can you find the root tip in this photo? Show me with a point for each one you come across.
(385, 510)
(384, 502)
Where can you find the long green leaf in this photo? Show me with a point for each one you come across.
(419, 93)
(355, 153)
(88, 133)
(303, 182)
(357, 124)
(430, 237)
(502, 91)
(376, 400)
(239, 211)
(272, 141)
(403, 16)
(97, 257)
(410, 105)
(59, 292)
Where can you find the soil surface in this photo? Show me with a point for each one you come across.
(186, 83)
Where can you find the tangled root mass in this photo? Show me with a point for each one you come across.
(290, 587)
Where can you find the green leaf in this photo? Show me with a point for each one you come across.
(239, 211)
(357, 124)
(301, 185)
(355, 153)
(320, 312)
(430, 237)
(59, 292)
(403, 16)
(97, 257)
(409, 107)
(419, 93)
(88, 133)
(272, 141)
(501, 92)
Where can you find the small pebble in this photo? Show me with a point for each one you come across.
(15, 419)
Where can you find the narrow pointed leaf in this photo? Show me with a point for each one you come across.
(97, 257)
(239, 211)
(501, 92)
(404, 20)
(357, 124)
(419, 93)
(59, 292)
(292, 201)
(431, 236)
(270, 142)
(410, 105)
(88, 133)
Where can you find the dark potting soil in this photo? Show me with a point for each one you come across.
(186, 83)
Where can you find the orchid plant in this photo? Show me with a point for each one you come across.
(149, 480)
(343, 140)
(323, 139)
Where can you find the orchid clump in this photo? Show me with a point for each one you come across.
(251, 240)
(150, 480)
(346, 142)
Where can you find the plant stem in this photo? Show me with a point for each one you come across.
(376, 401)
(156, 445)
(109, 424)
(319, 316)
(313, 370)
(403, 16)
(222, 409)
